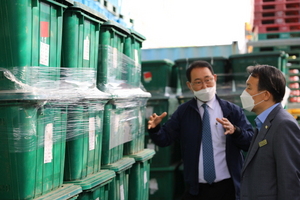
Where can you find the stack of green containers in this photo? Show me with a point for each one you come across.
(81, 33)
(119, 75)
(157, 79)
(140, 171)
(33, 122)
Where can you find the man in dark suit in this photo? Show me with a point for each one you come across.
(272, 167)
(230, 133)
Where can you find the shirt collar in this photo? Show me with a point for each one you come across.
(211, 103)
(260, 119)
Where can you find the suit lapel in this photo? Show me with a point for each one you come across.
(260, 136)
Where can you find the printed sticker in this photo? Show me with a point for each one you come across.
(86, 48)
(147, 76)
(48, 143)
(44, 53)
(92, 133)
(122, 196)
(136, 57)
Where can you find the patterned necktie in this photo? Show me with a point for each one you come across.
(208, 153)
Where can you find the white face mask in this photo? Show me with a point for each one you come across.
(247, 100)
(205, 94)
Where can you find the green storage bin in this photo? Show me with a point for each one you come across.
(240, 62)
(133, 49)
(166, 183)
(137, 129)
(32, 147)
(220, 67)
(156, 76)
(65, 192)
(84, 139)
(95, 186)
(31, 36)
(140, 174)
(175, 82)
(120, 126)
(80, 41)
(119, 185)
(164, 156)
(111, 71)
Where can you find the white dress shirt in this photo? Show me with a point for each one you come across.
(218, 139)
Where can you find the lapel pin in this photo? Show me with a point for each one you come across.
(266, 127)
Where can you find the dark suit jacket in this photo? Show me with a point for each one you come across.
(185, 126)
(272, 167)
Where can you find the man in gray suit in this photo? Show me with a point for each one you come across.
(271, 170)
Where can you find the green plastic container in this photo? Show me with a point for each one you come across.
(137, 129)
(120, 126)
(111, 68)
(164, 156)
(156, 76)
(219, 64)
(166, 183)
(96, 186)
(84, 139)
(80, 42)
(119, 185)
(65, 192)
(133, 49)
(240, 62)
(140, 174)
(31, 36)
(32, 148)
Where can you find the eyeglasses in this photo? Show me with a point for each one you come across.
(207, 81)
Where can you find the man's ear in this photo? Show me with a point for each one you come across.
(267, 96)
(189, 85)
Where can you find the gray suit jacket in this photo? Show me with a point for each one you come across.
(271, 170)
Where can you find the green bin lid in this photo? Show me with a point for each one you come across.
(89, 11)
(137, 35)
(101, 178)
(71, 2)
(220, 58)
(116, 26)
(65, 192)
(159, 97)
(121, 165)
(164, 61)
(143, 155)
(260, 54)
(166, 169)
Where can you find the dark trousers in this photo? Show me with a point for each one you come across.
(223, 190)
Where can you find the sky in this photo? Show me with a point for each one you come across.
(177, 23)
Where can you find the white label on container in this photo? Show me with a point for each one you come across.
(145, 179)
(153, 186)
(149, 111)
(92, 133)
(44, 54)
(122, 196)
(136, 57)
(48, 143)
(86, 48)
(151, 146)
(114, 134)
(97, 198)
(115, 58)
